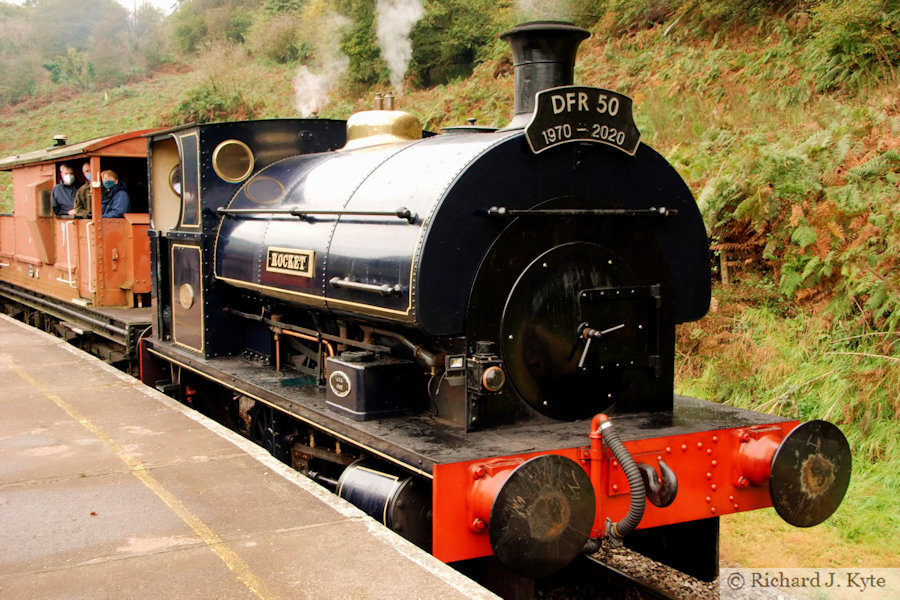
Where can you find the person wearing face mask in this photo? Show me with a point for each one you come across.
(63, 194)
(83, 195)
(115, 199)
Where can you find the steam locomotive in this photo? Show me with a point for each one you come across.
(468, 335)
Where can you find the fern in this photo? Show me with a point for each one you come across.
(818, 141)
(790, 282)
(804, 236)
(856, 43)
(811, 267)
(848, 198)
(769, 249)
(878, 166)
(842, 148)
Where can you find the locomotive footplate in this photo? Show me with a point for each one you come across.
(419, 442)
(718, 458)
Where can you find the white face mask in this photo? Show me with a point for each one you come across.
(68, 179)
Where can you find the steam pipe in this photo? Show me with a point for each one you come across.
(615, 531)
(428, 358)
(303, 336)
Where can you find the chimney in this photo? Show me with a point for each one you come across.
(543, 58)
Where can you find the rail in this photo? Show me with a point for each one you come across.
(67, 241)
(384, 289)
(502, 211)
(90, 244)
(401, 213)
(619, 583)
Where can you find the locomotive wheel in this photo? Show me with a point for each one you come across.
(542, 516)
(810, 473)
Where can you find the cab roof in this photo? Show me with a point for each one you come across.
(110, 145)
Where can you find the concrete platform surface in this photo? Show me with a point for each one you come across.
(109, 489)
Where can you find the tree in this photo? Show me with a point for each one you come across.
(199, 22)
(149, 36)
(449, 40)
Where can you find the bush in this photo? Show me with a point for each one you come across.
(450, 40)
(743, 12)
(224, 92)
(857, 43)
(20, 80)
(237, 24)
(625, 15)
(790, 208)
(283, 6)
(447, 41)
(75, 69)
(279, 39)
(188, 30)
(6, 195)
(200, 22)
(209, 103)
(366, 66)
(150, 43)
(112, 55)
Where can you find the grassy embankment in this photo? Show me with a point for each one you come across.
(800, 193)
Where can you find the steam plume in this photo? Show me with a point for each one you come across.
(395, 19)
(313, 86)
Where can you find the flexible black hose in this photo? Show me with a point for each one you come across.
(616, 531)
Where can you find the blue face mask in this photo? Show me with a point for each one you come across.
(87, 176)
(108, 184)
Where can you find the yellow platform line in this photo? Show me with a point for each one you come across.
(209, 537)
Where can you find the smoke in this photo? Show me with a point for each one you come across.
(395, 19)
(544, 10)
(313, 85)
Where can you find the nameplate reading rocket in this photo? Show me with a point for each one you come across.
(582, 114)
(290, 261)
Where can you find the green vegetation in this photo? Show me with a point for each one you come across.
(804, 365)
(856, 43)
(52, 46)
(198, 23)
(223, 91)
(452, 37)
(783, 117)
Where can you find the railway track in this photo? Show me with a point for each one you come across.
(597, 580)
(625, 585)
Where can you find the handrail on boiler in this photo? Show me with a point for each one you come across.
(66, 240)
(400, 213)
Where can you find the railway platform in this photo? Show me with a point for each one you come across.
(109, 489)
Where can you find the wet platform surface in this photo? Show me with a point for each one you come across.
(109, 489)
